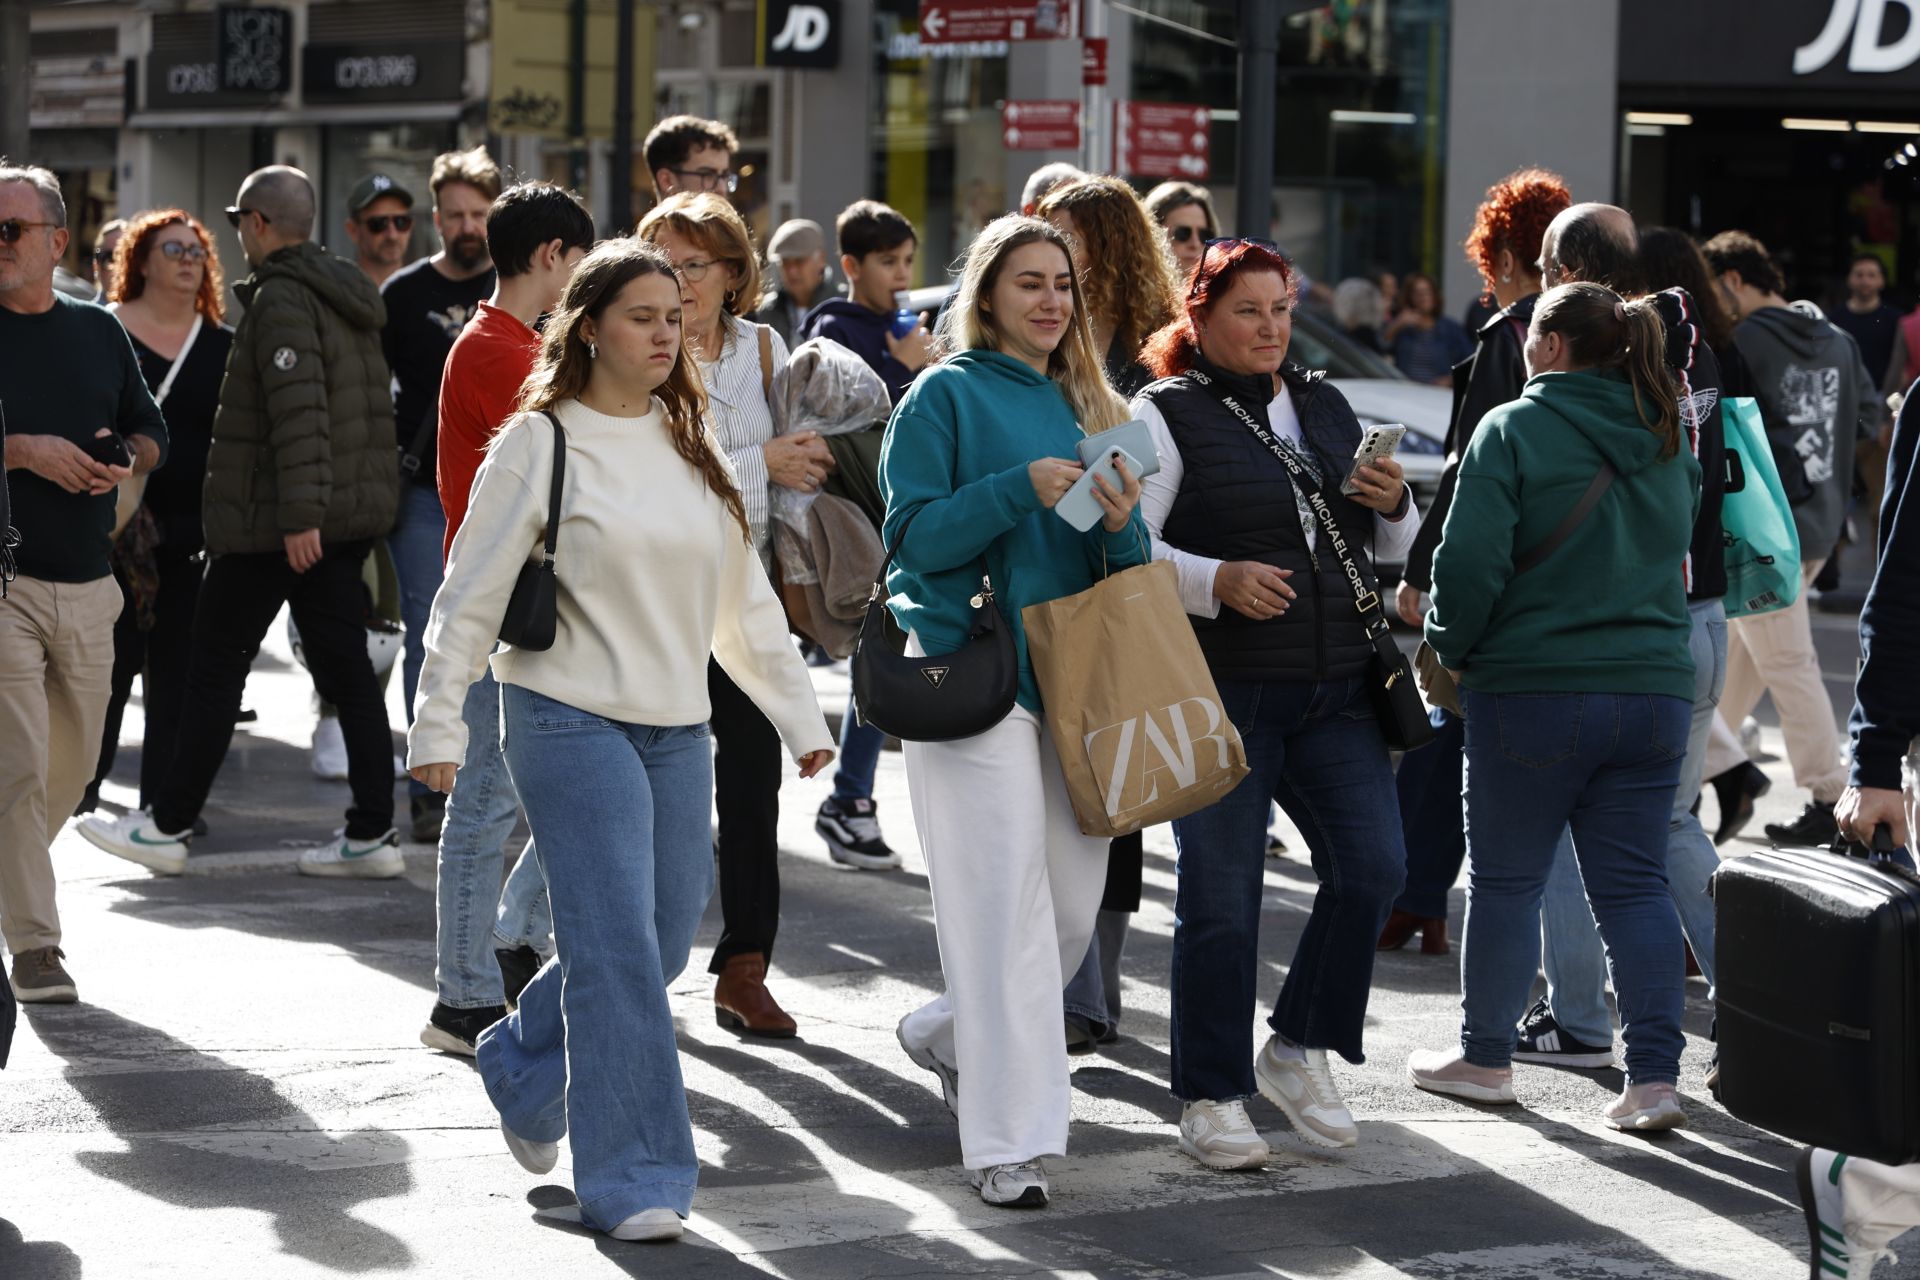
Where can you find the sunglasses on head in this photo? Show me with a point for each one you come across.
(13, 228)
(379, 222)
(1200, 267)
(177, 250)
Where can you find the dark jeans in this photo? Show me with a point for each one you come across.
(238, 602)
(1315, 749)
(1433, 816)
(159, 657)
(1606, 765)
(747, 760)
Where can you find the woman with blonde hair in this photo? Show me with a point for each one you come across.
(736, 360)
(1124, 271)
(605, 732)
(977, 454)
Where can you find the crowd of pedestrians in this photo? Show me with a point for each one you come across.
(554, 465)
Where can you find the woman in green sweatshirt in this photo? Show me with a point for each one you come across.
(1577, 683)
(976, 455)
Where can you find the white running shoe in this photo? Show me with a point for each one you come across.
(376, 859)
(1012, 1186)
(135, 838)
(329, 750)
(534, 1157)
(1305, 1092)
(1646, 1108)
(949, 1076)
(650, 1224)
(1447, 1071)
(1220, 1136)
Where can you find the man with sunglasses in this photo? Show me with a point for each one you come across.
(686, 153)
(380, 225)
(77, 419)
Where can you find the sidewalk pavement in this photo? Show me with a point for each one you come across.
(243, 1094)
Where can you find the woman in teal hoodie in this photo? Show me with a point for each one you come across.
(1577, 683)
(976, 455)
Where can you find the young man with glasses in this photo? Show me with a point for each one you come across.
(686, 153)
(78, 419)
(380, 225)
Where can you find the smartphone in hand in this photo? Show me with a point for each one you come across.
(110, 450)
(1378, 442)
(1078, 507)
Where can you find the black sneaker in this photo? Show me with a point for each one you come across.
(851, 829)
(429, 811)
(1814, 826)
(517, 967)
(1542, 1040)
(455, 1030)
(1276, 847)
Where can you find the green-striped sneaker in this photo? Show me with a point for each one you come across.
(134, 837)
(1834, 1254)
(375, 859)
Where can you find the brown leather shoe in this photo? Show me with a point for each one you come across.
(741, 1001)
(1402, 925)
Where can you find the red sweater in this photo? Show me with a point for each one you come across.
(490, 359)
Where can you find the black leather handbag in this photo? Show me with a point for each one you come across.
(934, 699)
(532, 618)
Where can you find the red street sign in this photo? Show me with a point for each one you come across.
(969, 21)
(1041, 125)
(1093, 60)
(1162, 140)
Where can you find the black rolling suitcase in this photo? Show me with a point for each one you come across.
(1818, 968)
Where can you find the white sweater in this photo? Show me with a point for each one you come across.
(653, 576)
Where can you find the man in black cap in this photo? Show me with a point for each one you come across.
(380, 224)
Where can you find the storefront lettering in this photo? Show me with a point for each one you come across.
(1866, 22)
(806, 30)
(184, 78)
(398, 71)
(253, 49)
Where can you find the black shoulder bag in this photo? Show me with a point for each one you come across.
(533, 610)
(935, 699)
(1396, 699)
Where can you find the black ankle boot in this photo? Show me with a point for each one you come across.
(1737, 789)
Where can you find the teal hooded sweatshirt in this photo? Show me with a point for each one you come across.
(955, 459)
(1607, 611)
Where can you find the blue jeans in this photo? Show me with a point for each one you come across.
(1432, 817)
(620, 812)
(860, 747)
(1575, 962)
(1315, 748)
(1093, 993)
(481, 814)
(1605, 764)
(417, 546)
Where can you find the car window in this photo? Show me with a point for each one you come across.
(1316, 344)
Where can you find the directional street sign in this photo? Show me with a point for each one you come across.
(967, 21)
(1163, 140)
(1041, 125)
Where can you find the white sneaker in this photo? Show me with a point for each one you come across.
(1823, 1197)
(1012, 1186)
(135, 838)
(1448, 1071)
(650, 1224)
(1305, 1091)
(1220, 1136)
(376, 859)
(923, 1058)
(329, 750)
(1646, 1108)
(534, 1157)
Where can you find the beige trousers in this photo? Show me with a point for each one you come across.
(1773, 652)
(56, 670)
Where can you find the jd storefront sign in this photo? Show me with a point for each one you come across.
(1780, 45)
(382, 71)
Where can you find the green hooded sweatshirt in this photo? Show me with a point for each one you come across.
(1607, 611)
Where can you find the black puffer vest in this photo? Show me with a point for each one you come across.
(1236, 503)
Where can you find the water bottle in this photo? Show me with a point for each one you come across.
(904, 317)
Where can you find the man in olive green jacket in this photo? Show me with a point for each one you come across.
(302, 476)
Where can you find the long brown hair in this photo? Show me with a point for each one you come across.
(1603, 331)
(563, 367)
(1127, 273)
(128, 284)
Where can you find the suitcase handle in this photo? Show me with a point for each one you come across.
(1881, 849)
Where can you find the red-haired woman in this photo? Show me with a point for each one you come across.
(169, 295)
(1505, 246)
(1291, 656)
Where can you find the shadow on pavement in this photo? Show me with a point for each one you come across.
(39, 1259)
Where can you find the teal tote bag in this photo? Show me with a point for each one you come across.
(1763, 547)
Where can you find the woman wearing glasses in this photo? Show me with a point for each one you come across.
(1185, 213)
(1290, 654)
(720, 278)
(170, 296)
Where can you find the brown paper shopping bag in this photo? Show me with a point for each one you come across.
(1130, 703)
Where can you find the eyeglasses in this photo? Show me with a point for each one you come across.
(13, 228)
(177, 249)
(379, 223)
(710, 179)
(695, 269)
(1200, 267)
(235, 212)
(103, 255)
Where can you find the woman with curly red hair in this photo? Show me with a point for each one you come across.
(169, 295)
(1505, 245)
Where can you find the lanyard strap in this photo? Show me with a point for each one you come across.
(166, 384)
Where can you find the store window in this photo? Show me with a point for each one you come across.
(744, 103)
(404, 152)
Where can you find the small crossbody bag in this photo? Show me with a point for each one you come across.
(532, 619)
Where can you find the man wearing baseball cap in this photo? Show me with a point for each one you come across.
(798, 255)
(380, 224)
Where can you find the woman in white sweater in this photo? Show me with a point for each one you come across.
(605, 733)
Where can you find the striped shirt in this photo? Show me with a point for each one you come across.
(741, 418)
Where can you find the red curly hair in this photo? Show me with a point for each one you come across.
(134, 245)
(1514, 216)
(1176, 346)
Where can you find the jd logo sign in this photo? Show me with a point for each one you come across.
(801, 35)
(1869, 52)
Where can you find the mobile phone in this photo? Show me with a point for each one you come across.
(1078, 507)
(110, 450)
(1379, 442)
